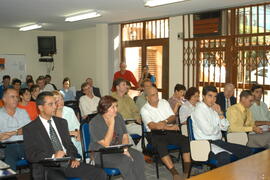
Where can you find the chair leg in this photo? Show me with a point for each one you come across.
(157, 170)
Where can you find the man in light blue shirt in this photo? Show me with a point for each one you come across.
(12, 119)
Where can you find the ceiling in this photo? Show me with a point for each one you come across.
(51, 13)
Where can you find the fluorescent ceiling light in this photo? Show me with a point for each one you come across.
(83, 16)
(153, 3)
(30, 27)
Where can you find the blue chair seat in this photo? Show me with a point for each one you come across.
(22, 163)
(135, 136)
(72, 178)
(257, 150)
(112, 171)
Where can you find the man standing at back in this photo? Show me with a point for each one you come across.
(125, 74)
(226, 99)
(48, 137)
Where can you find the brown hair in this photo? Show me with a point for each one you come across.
(105, 103)
(83, 85)
(191, 92)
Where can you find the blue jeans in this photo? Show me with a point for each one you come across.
(13, 153)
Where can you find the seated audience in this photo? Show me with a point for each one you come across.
(147, 75)
(16, 84)
(66, 91)
(48, 80)
(177, 99)
(88, 103)
(108, 128)
(128, 109)
(141, 99)
(48, 137)
(68, 114)
(12, 119)
(5, 85)
(241, 120)
(25, 103)
(35, 90)
(192, 99)
(95, 90)
(226, 99)
(159, 119)
(208, 122)
(28, 78)
(42, 85)
(125, 74)
(259, 109)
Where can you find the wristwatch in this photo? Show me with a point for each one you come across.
(126, 150)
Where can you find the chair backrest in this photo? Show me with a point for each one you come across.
(85, 140)
(238, 138)
(190, 129)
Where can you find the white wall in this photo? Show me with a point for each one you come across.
(13, 41)
(80, 55)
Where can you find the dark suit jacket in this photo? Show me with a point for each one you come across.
(221, 101)
(38, 145)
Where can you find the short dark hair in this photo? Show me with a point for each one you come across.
(118, 81)
(23, 90)
(14, 81)
(40, 98)
(84, 85)
(6, 77)
(33, 88)
(256, 86)
(245, 93)
(66, 79)
(48, 76)
(29, 81)
(105, 103)
(191, 92)
(40, 78)
(209, 88)
(179, 87)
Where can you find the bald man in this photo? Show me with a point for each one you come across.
(226, 99)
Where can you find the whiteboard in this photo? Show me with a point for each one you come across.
(13, 65)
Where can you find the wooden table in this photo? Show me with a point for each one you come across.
(255, 167)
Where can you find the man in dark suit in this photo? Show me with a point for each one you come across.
(226, 99)
(48, 137)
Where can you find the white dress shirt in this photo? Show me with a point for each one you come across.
(185, 111)
(88, 105)
(156, 114)
(47, 127)
(207, 125)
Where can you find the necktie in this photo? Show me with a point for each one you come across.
(54, 138)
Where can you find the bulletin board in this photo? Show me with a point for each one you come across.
(13, 65)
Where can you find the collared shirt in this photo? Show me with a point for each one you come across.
(88, 105)
(140, 101)
(240, 118)
(68, 94)
(207, 124)
(185, 111)
(260, 112)
(227, 103)
(127, 107)
(47, 127)
(156, 114)
(12, 123)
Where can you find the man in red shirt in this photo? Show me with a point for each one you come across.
(125, 74)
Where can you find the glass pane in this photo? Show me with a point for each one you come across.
(154, 61)
(157, 29)
(133, 58)
(132, 31)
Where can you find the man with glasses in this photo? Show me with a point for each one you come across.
(12, 119)
(48, 137)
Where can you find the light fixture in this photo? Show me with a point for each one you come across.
(153, 3)
(30, 27)
(83, 16)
